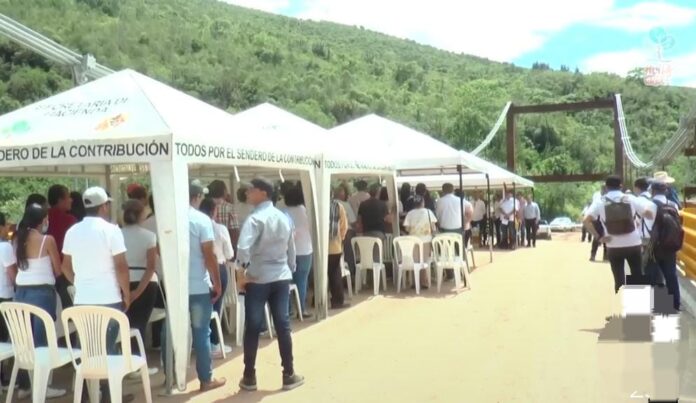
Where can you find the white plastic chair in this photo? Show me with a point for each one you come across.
(91, 323)
(345, 272)
(38, 361)
(445, 247)
(239, 313)
(363, 247)
(403, 260)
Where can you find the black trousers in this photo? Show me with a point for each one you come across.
(586, 235)
(335, 280)
(531, 229)
(62, 284)
(140, 310)
(595, 242)
(618, 257)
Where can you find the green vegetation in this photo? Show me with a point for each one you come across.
(235, 58)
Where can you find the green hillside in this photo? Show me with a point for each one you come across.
(236, 58)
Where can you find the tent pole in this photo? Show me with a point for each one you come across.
(514, 210)
(461, 202)
(488, 191)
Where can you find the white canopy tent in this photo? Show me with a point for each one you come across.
(279, 126)
(128, 123)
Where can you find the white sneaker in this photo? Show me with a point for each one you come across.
(51, 393)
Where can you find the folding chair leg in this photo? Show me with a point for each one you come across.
(39, 384)
(13, 381)
(439, 271)
(298, 304)
(145, 376)
(416, 280)
(398, 276)
(350, 286)
(115, 387)
(383, 271)
(375, 281)
(357, 279)
(239, 327)
(93, 390)
(473, 262)
(78, 388)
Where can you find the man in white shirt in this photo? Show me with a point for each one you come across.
(616, 211)
(497, 214)
(449, 212)
(360, 196)
(532, 215)
(94, 260)
(508, 211)
(478, 218)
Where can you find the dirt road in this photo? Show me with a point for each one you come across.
(526, 332)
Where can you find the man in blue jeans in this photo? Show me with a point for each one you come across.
(203, 292)
(267, 251)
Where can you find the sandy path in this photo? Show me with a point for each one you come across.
(527, 332)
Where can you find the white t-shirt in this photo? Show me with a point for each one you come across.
(222, 245)
(510, 206)
(479, 210)
(449, 211)
(418, 222)
(638, 205)
(303, 236)
(7, 259)
(92, 244)
(138, 241)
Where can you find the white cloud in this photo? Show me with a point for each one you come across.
(498, 29)
(682, 70)
(271, 6)
(645, 16)
(616, 62)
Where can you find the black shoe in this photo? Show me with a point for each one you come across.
(592, 258)
(248, 383)
(293, 381)
(340, 306)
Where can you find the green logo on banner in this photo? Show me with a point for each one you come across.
(20, 127)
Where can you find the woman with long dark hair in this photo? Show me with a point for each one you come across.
(78, 206)
(422, 190)
(38, 265)
(141, 255)
(294, 201)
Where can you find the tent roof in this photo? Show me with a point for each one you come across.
(128, 108)
(410, 149)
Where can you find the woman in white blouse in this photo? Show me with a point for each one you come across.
(222, 246)
(294, 200)
(422, 223)
(141, 255)
(38, 265)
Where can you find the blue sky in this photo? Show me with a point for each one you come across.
(593, 35)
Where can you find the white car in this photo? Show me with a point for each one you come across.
(562, 224)
(544, 230)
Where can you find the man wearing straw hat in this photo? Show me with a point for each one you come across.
(672, 195)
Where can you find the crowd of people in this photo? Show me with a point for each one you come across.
(638, 227)
(64, 240)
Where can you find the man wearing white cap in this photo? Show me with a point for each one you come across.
(95, 262)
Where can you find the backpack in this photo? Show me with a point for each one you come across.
(619, 217)
(667, 234)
